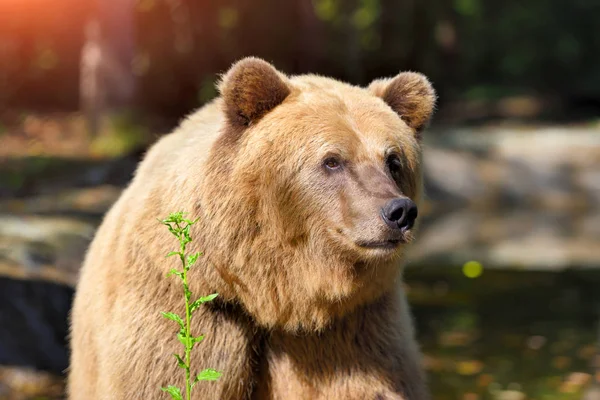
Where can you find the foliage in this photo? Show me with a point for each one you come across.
(121, 133)
(180, 228)
(470, 48)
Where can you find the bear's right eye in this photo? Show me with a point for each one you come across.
(332, 163)
(395, 167)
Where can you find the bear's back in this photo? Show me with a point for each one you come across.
(158, 184)
(127, 253)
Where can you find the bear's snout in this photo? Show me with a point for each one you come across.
(400, 214)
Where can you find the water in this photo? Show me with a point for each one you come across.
(506, 332)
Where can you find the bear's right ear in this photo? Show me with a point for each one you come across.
(410, 95)
(251, 88)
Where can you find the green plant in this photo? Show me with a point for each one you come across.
(180, 228)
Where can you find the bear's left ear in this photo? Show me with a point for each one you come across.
(410, 95)
(250, 89)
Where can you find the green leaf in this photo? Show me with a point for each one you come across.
(194, 340)
(173, 317)
(182, 338)
(189, 222)
(197, 339)
(180, 362)
(194, 221)
(174, 391)
(173, 253)
(192, 259)
(208, 375)
(175, 272)
(174, 217)
(202, 300)
(208, 298)
(186, 234)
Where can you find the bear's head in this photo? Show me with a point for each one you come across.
(312, 190)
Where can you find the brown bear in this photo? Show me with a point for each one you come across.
(306, 190)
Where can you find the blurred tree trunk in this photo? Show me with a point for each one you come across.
(117, 23)
(91, 88)
(351, 41)
(107, 82)
(396, 34)
(421, 34)
(446, 35)
(309, 39)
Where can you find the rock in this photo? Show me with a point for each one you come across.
(510, 395)
(33, 321)
(592, 393)
(92, 201)
(19, 383)
(451, 176)
(590, 179)
(49, 248)
(533, 239)
(554, 167)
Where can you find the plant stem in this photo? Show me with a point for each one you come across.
(180, 228)
(188, 386)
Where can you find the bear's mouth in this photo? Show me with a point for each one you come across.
(385, 244)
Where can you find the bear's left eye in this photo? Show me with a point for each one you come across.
(332, 163)
(395, 166)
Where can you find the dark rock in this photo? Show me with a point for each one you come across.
(33, 324)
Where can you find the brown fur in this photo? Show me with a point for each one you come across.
(410, 95)
(250, 89)
(303, 311)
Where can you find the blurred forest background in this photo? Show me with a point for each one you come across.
(504, 277)
(473, 50)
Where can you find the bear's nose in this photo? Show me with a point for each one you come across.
(400, 214)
